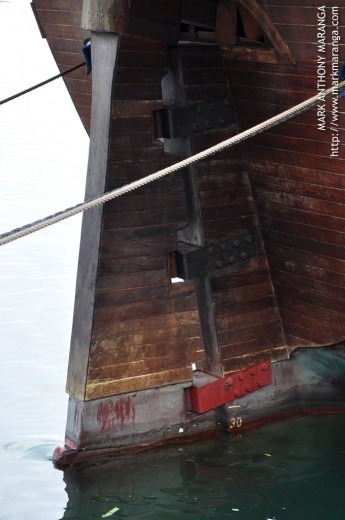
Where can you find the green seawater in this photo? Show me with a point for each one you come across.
(291, 470)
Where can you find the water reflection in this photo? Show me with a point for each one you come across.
(291, 470)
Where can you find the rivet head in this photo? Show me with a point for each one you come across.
(211, 251)
(236, 243)
(232, 260)
(219, 264)
(223, 247)
(228, 383)
(249, 239)
(244, 255)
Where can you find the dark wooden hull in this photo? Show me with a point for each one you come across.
(133, 329)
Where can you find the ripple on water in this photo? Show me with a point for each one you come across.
(39, 452)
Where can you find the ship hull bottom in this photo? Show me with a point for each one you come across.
(311, 381)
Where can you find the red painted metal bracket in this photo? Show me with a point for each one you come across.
(202, 397)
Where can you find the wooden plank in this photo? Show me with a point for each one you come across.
(111, 288)
(96, 390)
(321, 221)
(270, 328)
(323, 277)
(253, 346)
(303, 243)
(144, 309)
(59, 17)
(60, 5)
(297, 173)
(320, 332)
(220, 229)
(306, 296)
(301, 195)
(318, 261)
(144, 366)
(295, 158)
(137, 296)
(241, 295)
(143, 246)
(131, 344)
(245, 319)
(317, 287)
(238, 363)
(300, 202)
(179, 323)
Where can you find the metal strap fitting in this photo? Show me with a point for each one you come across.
(175, 122)
(192, 262)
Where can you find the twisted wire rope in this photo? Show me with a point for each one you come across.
(118, 192)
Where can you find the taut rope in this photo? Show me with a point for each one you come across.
(69, 212)
(34, 87)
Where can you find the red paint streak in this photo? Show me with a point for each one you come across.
(114, 415)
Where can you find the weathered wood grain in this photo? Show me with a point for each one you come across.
(104, 51)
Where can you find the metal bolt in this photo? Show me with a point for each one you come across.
(249, 239)
(219, 264)
(228, 383)
(244, 255)
(236, 243)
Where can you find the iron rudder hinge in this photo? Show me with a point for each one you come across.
(192, 261)
(175, 122)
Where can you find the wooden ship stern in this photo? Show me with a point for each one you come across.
(213, 297)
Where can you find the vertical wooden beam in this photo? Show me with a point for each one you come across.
(104, 50)
(173, 93)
